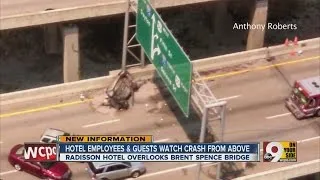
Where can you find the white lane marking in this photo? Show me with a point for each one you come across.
(206, 163)
(162, 140)
(174, 169)
(279, 115)
(8, 172)
(309, 139)
(231, 97)
(303, 140)
(100, 123)
(283, 169)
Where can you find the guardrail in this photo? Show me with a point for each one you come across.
(287, 172)
(148, 72)
(253, 55)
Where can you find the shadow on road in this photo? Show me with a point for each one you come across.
(190, 125)
(229, 170)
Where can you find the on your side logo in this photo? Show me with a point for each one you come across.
(283, 151)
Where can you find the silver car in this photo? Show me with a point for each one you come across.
(115, 170)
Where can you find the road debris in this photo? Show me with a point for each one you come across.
(121, 91)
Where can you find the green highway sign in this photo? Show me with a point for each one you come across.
(169, 59)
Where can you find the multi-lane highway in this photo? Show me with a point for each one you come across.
(256, 112)
(26, 13)
(9, 8)
(19, 7)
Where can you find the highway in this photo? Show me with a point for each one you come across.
(16, 7)
(19, 7)
(256, 112)
(26, 13)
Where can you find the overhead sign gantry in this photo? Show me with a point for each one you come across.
(163, 50)
(172, 64)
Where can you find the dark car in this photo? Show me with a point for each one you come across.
(44, 170)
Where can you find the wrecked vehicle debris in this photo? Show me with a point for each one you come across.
(121, 91)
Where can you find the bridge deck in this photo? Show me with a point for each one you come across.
(24, 13)
(16, 7)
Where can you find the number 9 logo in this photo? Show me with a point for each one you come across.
(275, 149)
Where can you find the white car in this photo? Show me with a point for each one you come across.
(50, 135)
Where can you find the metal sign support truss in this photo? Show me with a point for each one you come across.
(128, 44)
(210, 107)
(201, 95)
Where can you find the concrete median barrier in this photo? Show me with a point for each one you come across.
(55, 90)
(61, 15)
(255, 55)
(230, 59)
(307, 45)
(287, 172)
(148, 72)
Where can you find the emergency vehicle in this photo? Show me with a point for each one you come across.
(305, 98)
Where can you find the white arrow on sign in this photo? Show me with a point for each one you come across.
(153, 37)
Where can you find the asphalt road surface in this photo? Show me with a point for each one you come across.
(256, 112)
(16, 7)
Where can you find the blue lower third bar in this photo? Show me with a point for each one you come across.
(160, 157)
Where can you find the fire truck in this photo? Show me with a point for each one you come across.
(304, 100)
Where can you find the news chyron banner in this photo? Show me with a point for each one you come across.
(280, 151)
(106, 139)
(143, 149)
(40, 152)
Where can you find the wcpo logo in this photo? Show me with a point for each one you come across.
(40, 152)
(282, 151)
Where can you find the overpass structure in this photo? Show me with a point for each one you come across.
(58, 15)
(18, 14)
(262, 109)
(288, 172)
